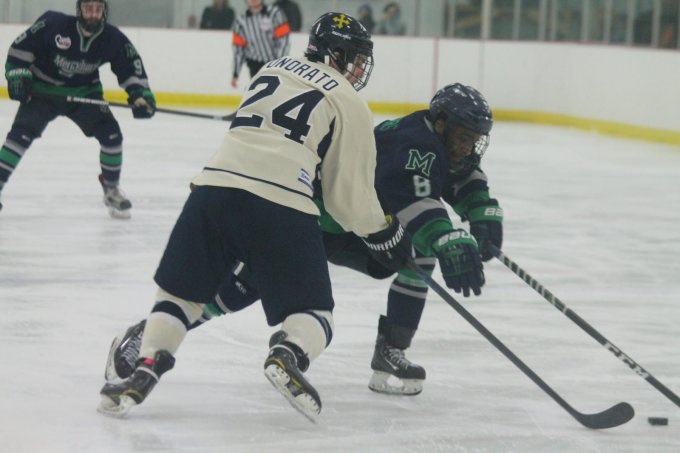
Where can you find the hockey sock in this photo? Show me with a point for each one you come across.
(406, 298)
(312, 331)
(11, 153)
(111, 153)
(168, 323)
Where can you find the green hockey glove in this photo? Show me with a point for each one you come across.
(143, 103)
(19, 82)
(460, 262)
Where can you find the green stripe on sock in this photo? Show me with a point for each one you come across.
(109, 159)
(9, 157)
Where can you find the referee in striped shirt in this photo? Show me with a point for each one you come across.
(260, 35)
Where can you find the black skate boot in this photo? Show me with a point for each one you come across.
(114, 198)
(393, 373)
(123, 353)
(284, 367)
(118, 399)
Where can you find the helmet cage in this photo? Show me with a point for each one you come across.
(357, 70)
(472, 160)
(463, 106)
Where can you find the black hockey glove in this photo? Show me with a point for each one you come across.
(460, 262)
(391, 247)
(19, 82)
(486, 225)
(143, 103)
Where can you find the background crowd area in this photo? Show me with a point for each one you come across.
(650, 23)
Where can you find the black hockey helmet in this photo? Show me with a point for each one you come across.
(463, 106)
(342, 39)
(91, 27)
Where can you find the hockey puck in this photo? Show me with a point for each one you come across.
(657, 421)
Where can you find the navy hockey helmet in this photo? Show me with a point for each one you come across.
(341, 39)
(91, 26)
(463, 106)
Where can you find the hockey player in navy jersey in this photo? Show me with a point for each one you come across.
(60, 56)
(423, 158)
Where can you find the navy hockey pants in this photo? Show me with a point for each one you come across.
(281, 246)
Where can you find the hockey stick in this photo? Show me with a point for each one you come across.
(81, 100)
(609, 418)
(590, 330)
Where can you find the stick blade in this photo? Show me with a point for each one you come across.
(614, 416)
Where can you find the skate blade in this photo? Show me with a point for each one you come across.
(110, 408)
(118, 214)
(388, 384)
(303, 403)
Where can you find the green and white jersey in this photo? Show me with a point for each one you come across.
(296, 117)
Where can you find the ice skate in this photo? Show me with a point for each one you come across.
(118, 399)
(123, 353)
(284, 368)
(393, 373)
(114, 198)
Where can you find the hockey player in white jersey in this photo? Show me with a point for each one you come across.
(253, 203)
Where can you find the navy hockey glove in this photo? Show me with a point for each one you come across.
(19, 82)
(486, 225)
(460, 262)
(391, 247)
(143, 103)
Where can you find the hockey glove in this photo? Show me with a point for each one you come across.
(19, 82)
(486, 225)
(143, 103)
(460, 262)
(391, 247)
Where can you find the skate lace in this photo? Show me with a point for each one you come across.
(398, 357)
(115, 194)
(130, 349)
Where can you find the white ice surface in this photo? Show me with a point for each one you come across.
(594, 219)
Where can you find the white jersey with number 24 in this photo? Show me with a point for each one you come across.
(295, 116)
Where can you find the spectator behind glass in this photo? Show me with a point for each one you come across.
(292, 12)
(192, 21)
(391, 23)
(365, 16)
(668, 37)
(219, 16)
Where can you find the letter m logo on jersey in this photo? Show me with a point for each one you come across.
(418, 162)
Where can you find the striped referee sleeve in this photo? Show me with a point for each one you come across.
(252, 41)
(281, 33)
(239, 44)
